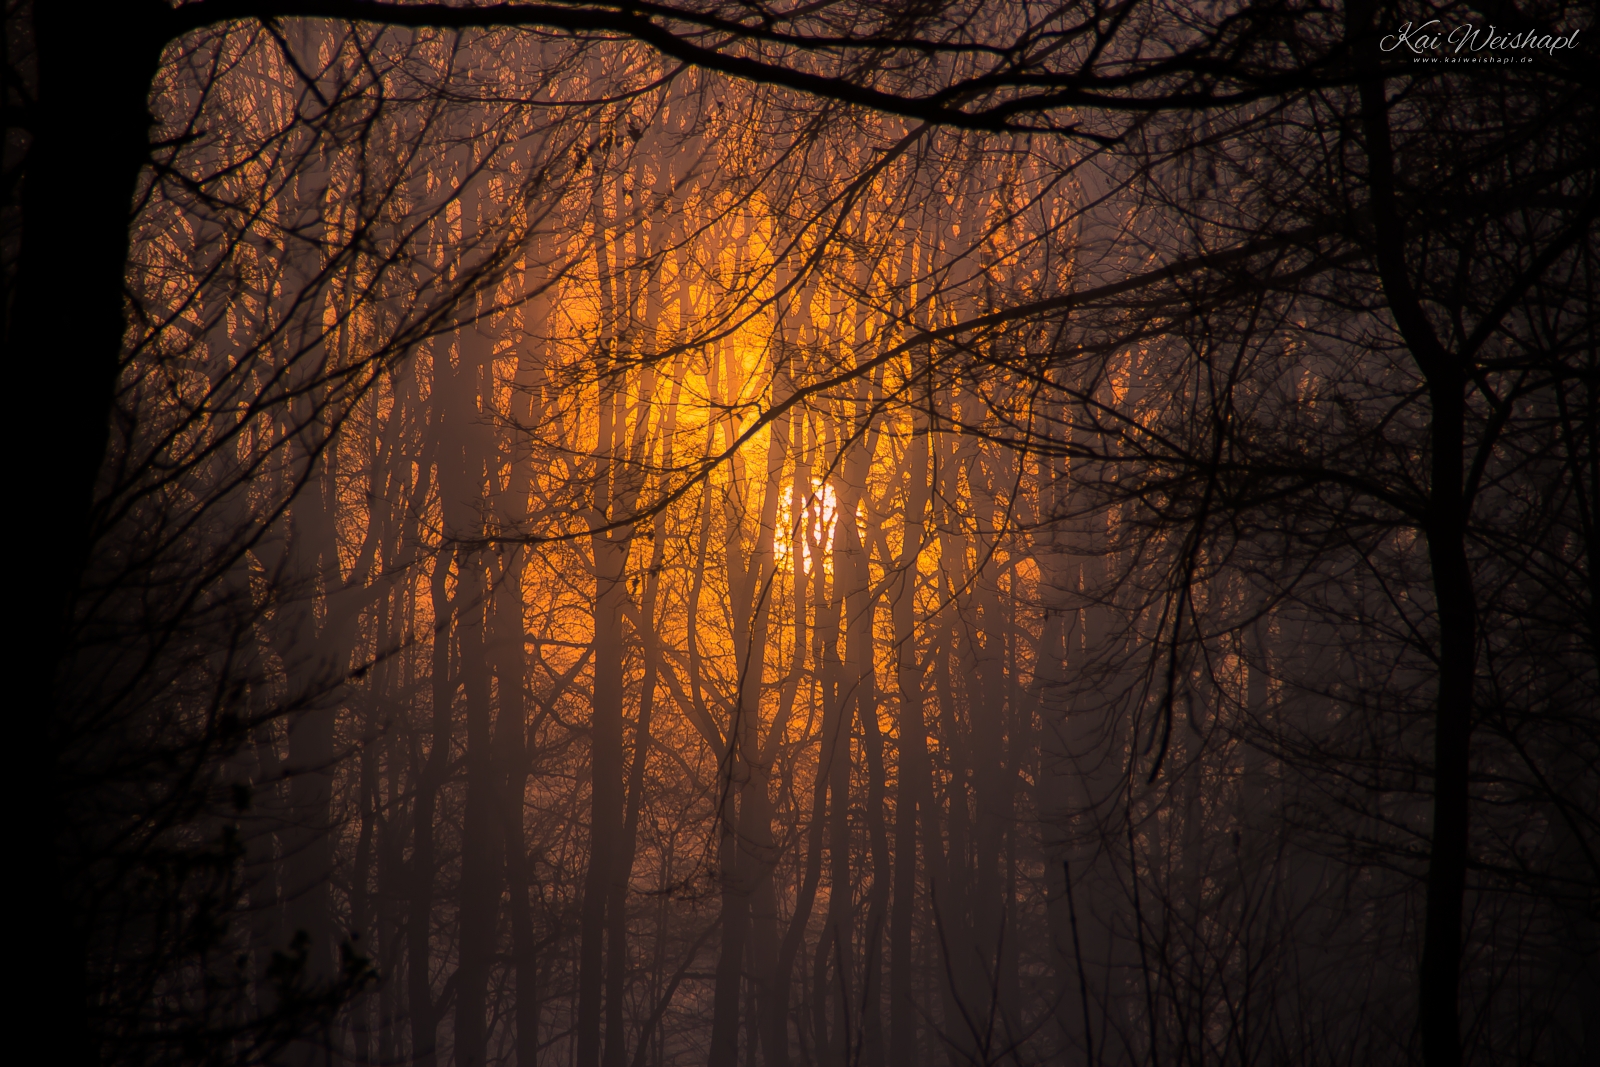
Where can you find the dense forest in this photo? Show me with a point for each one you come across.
(828, 534)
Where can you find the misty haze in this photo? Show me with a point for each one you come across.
(594, 534)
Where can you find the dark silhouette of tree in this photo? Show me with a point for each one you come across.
(1140, 512)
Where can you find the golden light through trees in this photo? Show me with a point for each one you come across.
(836, 536)
(643, 560)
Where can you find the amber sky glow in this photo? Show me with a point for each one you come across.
(650, 568)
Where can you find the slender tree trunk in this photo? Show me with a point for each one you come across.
(479, 890)
(1439, 976)
(961, 984)
(391, 889)
(775, 1003)
(513, 740)
(610, 553)
(605, 787)
(513, 734)
(430, 775)
(1447, 862)
(605, 809)
(735, 907)
(1051, 789)
(863, 698)
(266, 909)
(465, 491)
(912, 770)
(361, 919)
(317, 656)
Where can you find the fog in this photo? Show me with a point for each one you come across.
(656, 540)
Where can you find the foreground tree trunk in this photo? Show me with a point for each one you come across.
(1444, 526)
(88, 144)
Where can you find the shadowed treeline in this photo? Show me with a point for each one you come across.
(960, 535)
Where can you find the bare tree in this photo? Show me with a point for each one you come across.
(1115, 483)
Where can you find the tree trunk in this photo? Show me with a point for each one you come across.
(610, 555)
(466, 465)
(1439, 976)
(430, 775)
